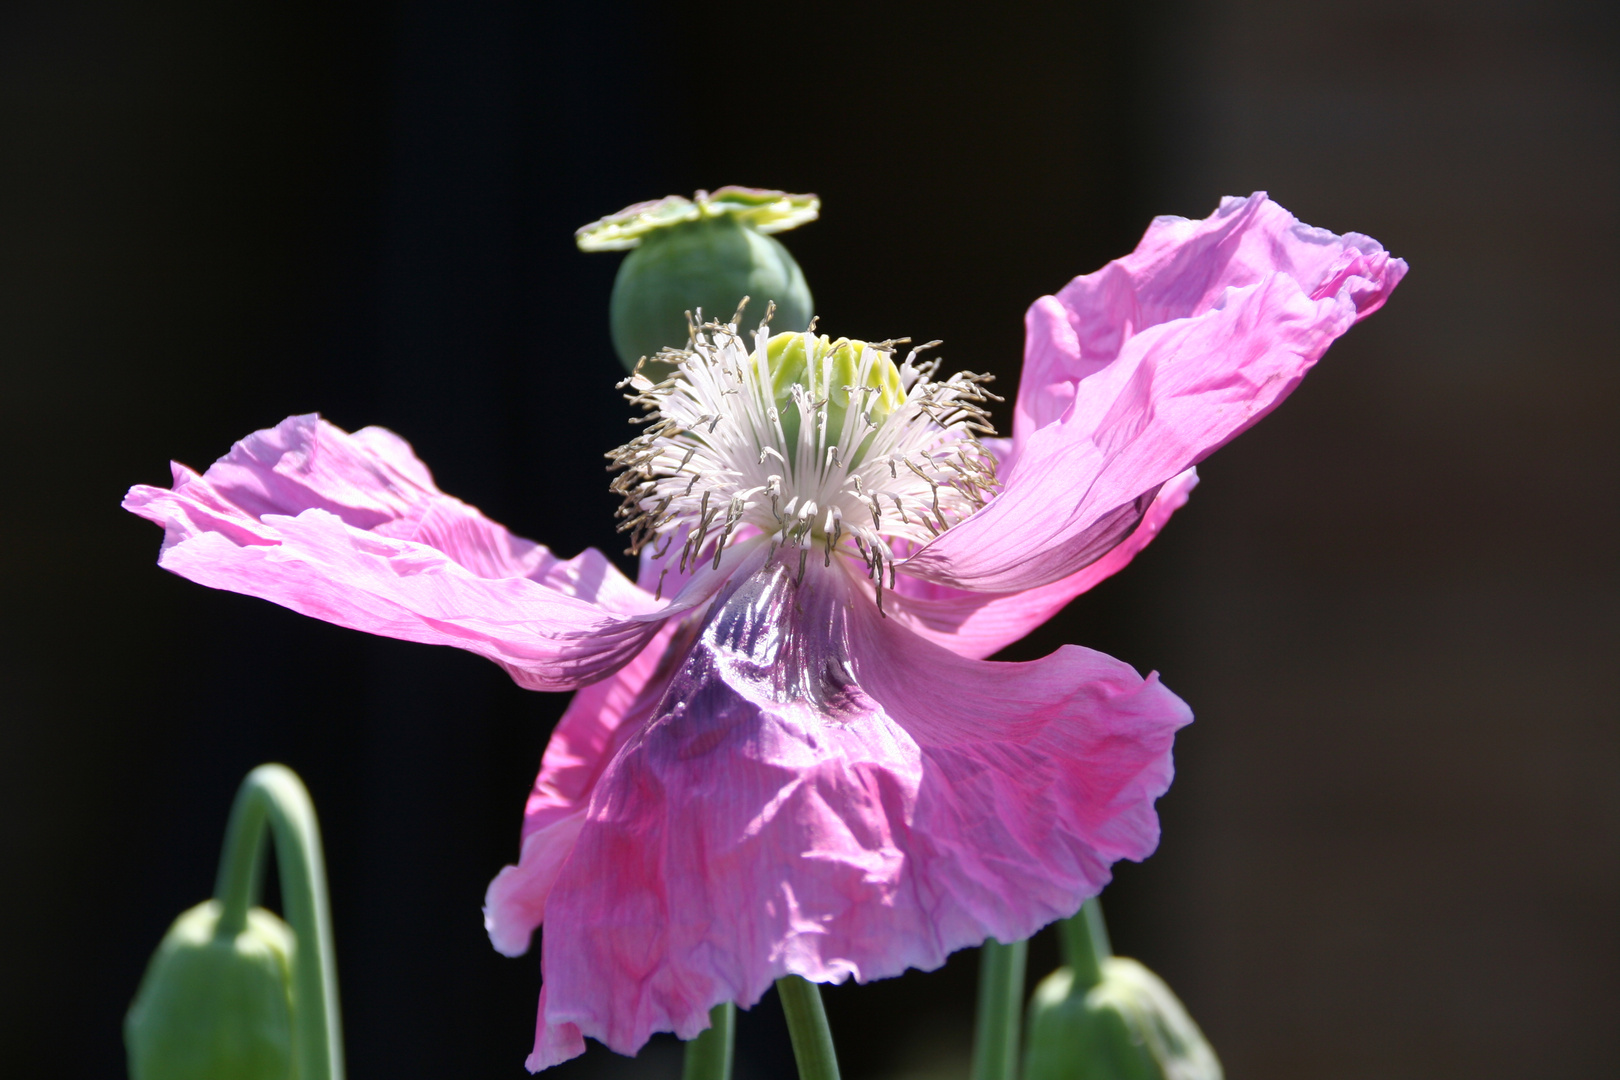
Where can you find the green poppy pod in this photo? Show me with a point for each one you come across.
(707, 253)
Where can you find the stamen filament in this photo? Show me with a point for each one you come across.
(791, 436)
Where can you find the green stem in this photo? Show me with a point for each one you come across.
(1001, 1010)
(708, 1057)
(1085, 944)
(807, 1024)
(274, 793)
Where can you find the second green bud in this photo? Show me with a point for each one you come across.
(215, 1004)
(1129, 1026)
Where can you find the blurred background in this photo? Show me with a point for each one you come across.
(1393, 847)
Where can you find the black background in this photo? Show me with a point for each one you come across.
(1393, 849)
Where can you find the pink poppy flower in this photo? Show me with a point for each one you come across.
(800, 761)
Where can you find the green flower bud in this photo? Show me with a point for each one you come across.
(1129, 1026)
(707, 252)
(215, 1005)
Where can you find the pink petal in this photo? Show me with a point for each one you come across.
(976, 624)
(826, 794)
(350, 529)
(553, 1043)
(1180, 270)
(1142, 369)
(597, 721)
(515, 902)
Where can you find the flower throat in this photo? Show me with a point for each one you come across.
(804, 440)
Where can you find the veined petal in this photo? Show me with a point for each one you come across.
(1142, 369)
(977, 624)
(1180, 270)
(823, 793)
(598, 720)
(553, 1043)
(351, 529)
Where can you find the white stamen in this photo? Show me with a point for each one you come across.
(795, 462)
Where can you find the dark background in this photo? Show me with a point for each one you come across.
(1393, 849)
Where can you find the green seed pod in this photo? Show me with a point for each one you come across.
(215, 1005)
(1127, 1027)
(707, 252)
(841, 372)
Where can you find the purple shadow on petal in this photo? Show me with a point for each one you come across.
(824, 793)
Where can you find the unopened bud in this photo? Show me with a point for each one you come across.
(708, 253)
(1129, 1026)
(215, 1005)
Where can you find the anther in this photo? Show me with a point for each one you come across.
(725, 376)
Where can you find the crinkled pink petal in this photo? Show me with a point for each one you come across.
(824, 793)
(553, 1042)
(515, 902)
(597, 721)
(1137, 372)
(350, 529)
(977, 624)
(599, 718)
(1180, 270)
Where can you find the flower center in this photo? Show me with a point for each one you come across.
(805, 440)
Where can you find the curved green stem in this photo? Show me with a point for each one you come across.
(708, 1057)
(1001, 1009)
(1085, 944)
(807, 1024)
(274, 793)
